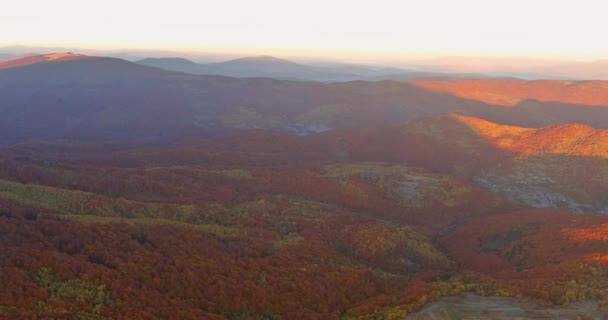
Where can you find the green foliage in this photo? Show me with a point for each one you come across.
(246, 209)
(88, 207)
(202, 173)
(397, 249)
(411, 187)
(262, 280)
(457, 285)
(234, 173)
(248, 315)
(291, 239)
(591, 285)
(213, 229)
(303, 208)
(392, 313)
(73, 291)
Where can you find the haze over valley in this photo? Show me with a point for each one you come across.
(237, 161)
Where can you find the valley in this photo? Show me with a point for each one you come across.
(132, 192)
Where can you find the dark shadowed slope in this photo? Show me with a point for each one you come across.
(93, 97)
(560, 167)
(251, 67)
(174, 64)
(271, 67)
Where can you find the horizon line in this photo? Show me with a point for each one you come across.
(323, 53)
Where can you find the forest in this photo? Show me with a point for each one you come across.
(133, 192)
(370, 223)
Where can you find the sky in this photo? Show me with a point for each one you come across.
(531, 28)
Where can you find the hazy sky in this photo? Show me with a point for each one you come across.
(479, 27)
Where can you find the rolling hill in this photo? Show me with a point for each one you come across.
(71, 96)
(566, 139)
(511, 93)
(559, 167)
(372, 219)
(360, 222)
(251, 67)
(47, 58)
(271, 67)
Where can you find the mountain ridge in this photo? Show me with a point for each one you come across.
(53, 57)
(510, 93)
(249, 67)
(75, 94)
(273, 67)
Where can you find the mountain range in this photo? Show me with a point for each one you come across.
(130, 191)
(251, 67)
(77, 96)
(271, 67)
(443, 68)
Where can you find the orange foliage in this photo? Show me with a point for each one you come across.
(599, 232)
(567, 139)
(509, 93)
(307, 244)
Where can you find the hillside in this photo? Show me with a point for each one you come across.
(251, 67)
(512, 93)
(566, 139)
(30, 60)
(95, 98)
(276, 68)
(561, 167)
(362, 222)
(377, 193)
(555, 167)
(303, 160)
(173, 64)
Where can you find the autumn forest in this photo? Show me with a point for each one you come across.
(131, 192)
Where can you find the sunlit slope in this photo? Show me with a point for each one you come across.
(567, 139)
(96, 98)
(47, 58)
(357, 222)
(510, 93)
(562, 167)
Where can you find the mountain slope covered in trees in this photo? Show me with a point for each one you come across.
(88, 98)
(131, 192)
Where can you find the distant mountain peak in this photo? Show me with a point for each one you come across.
(260, 58)
(167, 59)
(63, 56)
(52, 57)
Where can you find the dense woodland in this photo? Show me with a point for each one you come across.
(263, 225)
(163, 195)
